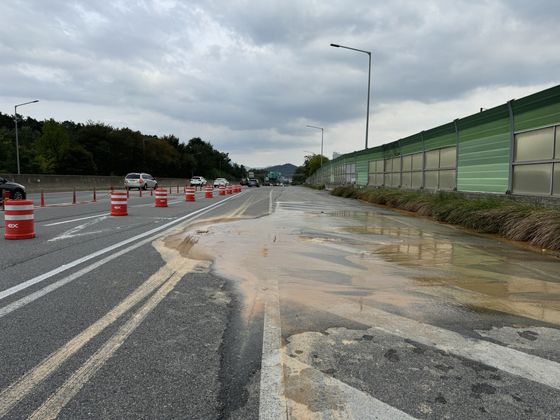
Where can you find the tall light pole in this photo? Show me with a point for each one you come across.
(319, 128)
(17, 140)
(368, 82)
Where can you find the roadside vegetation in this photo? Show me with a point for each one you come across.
(95, 148)
(526, 222)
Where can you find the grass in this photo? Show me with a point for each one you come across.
(530, 223)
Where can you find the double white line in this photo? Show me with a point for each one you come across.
(150, 235)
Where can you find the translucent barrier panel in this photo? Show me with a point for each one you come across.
(417, 162)
(371, 166)
(388, 165)
(416, 179)
(447, 157)
(407, 163)
(534, 145)
(556, 180)
(446, 180)
(431, 180)
(407, 179)
(557, 154)
(395, 179)
(397, 164)
(532, 179)
(379, 179)
(432, 159)
(379, 166)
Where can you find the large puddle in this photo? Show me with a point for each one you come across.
(321, 258)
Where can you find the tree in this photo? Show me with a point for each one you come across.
(313, 163)
(52, 146)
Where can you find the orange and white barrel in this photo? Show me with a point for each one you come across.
(119, 203)
(161, 197)
(19, 219)
(189, 194)
(209, 192)
(222, 190)
(237, 188)
(229, 189)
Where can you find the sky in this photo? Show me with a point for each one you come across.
(249, 76)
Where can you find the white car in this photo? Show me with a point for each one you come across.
(139, 180)
(220, 181)
(198, 181)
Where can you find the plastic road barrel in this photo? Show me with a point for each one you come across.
(161, 197)
(222, 190)
(229, 189)
(189, 194)
(19, 219)
(119, 203)
(209, 192)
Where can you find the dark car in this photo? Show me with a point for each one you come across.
(253, 182)
(17, 191)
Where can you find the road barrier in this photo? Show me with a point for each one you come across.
(119, 203)
(222, 190)
(229, 190)
(209, 191)
(189, 194)
(237, 188)
(161, 197)
(19, 219)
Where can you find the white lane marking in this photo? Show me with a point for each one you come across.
(270, 202)
(77, 220)
(14, 289)
(56, 402)
(71, 233)
(509, 360)
(51, 287)
(19, 389)
(356, 404)
(272, 403)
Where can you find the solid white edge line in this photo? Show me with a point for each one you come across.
(272, 402)
(17, 288)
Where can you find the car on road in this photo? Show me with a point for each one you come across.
(253, 182)
(198, 181)
(16, 191)
(220, 181)
(139, 180)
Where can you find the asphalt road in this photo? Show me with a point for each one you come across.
(272, 303)
(106, 324)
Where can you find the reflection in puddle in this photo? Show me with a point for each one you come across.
(381, 258)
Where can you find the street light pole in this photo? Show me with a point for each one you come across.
(368, 82)
(319, 128)
(17, 140)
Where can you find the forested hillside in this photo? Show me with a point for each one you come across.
(98, 149)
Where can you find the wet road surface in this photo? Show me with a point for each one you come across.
(370, 313)
(276, 303)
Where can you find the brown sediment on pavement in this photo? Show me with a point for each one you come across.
(317, 256)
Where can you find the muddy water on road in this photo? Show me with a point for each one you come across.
(328, 268)
(386, 259)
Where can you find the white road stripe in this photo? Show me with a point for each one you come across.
(272, 403)
(77, 220)
(356, 404)
(509, 360)
(56, 402)
(26, 284)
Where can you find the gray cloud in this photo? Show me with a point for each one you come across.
(249, 75)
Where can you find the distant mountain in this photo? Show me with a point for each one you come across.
(286, 169)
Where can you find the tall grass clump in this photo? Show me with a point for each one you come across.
(531, 223)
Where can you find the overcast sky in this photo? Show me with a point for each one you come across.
(248, 76)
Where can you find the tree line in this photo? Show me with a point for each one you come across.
(95, 148)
